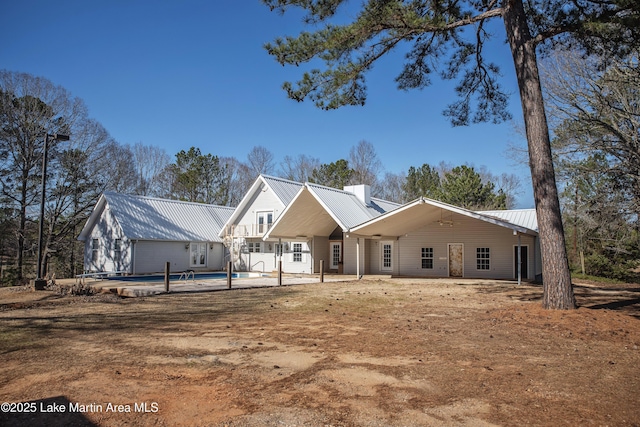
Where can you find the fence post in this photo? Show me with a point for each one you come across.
(321, 271)
(229, 275)
(279, 273)
(167, 272)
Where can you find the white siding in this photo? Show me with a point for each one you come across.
(321, 252)
(290, 266)
(107, 231)
(472, 234)
(150, 256)
(215, 257)
(264, 201)
(263, 261)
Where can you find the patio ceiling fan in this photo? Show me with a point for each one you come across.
(444, 222)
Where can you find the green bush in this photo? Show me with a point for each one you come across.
(615, 267)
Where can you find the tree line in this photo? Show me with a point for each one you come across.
(596, 126)
(92, 162)
(341, 44)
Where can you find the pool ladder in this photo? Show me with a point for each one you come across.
(186, 274)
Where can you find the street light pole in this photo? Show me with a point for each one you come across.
(40, 283)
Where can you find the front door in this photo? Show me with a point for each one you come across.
(455, 260)
(524, 264)
(386, 256)
(336, 255)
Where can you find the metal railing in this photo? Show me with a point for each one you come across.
(251, 230)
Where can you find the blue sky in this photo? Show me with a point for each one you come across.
(177, 74)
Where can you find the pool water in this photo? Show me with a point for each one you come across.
(177, 276)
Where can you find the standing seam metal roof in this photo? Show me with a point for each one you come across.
(523, 217)
(284, 189)
(347, 207)
(147, 218)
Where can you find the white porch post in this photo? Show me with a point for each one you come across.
(358, 258)
(519, 260)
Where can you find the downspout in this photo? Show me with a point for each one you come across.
(133, 256)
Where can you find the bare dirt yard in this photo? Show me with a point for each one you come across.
(387, 352)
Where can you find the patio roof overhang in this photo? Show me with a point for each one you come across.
(304, 218)
(419, 213)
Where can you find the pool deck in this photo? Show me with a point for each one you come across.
(144, 289)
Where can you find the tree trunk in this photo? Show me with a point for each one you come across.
(558, 291)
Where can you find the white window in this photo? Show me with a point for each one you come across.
(254, 247)
(427, 258)
(95, 247)
(198, 254)
(264, 221)
(482, 259)
(297, 252)
(117, 249)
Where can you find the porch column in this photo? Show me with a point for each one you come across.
(358, 258)
(519, 260)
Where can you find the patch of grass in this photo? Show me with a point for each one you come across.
(597, 279)
(12, 339)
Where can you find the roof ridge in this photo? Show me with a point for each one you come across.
(160, 199)
(277, 178)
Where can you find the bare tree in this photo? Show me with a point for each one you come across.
(365, 163)
(238, 179)
(30, 108)
(149, 162)
(508, 184)
(391, 187)
(260, 161)
(298, 168)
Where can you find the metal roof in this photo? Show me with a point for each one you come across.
(317, 210)
(422, 211)
(148, 218)
(523, 217)
(283, 189)
(346, 207)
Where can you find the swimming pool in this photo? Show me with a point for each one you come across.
(180, 276)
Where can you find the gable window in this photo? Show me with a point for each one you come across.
(198, 254)
(95, 247)
(482, 259)
(297, 252)
(264, 221)
(427, 258)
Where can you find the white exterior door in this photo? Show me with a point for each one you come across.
(198, 255)
(336, 255)
(386, 256)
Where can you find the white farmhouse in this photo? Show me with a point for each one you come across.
(138, 235)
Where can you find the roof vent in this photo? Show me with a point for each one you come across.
(362, 192)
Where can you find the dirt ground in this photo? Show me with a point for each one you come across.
(388, 352)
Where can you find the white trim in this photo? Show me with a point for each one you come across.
(383, 243)
(198, 253)
(333, 265)
(513, 262)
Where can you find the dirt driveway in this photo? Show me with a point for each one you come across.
(396, 352)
